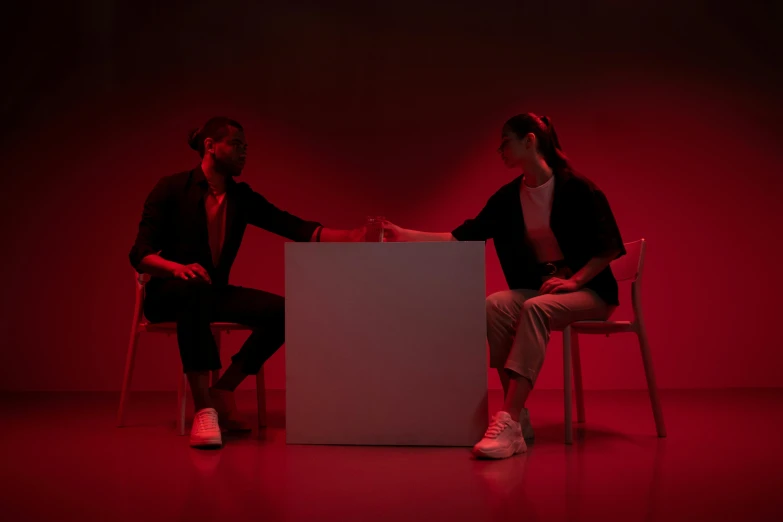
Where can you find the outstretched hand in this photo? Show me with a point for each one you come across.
(393, 233)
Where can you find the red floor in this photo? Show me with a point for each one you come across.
(64, 460)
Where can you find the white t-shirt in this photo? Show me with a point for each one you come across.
(536, 209)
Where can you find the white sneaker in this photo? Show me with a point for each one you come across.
(205, 432)
(527, 430)
(502, 439)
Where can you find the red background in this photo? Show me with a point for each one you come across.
(394, 109)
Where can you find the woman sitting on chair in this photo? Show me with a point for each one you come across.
(555, 236)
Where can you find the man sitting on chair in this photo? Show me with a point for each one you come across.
(190, 231)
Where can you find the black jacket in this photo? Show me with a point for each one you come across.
(174, 223)
(581, 221)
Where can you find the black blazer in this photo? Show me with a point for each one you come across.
(581, 221)
(174, 223)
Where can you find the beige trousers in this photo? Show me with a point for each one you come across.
(519, 323)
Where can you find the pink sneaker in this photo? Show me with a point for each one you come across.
(502, 439)
(206, 432)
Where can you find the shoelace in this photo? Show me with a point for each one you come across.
(207, 422)
(496, 428)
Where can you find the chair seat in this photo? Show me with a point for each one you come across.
(171, 327)
(602, 327)
(142, 324)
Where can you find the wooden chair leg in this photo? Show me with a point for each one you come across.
(261, 398)
(577, 367)
(130, 359)
(216, 373)
(567, 384)
(652, 387)
(182, 399)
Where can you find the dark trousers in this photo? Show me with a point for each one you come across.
(194, 304)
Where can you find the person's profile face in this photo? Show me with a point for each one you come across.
(231, 151)
(513, 149)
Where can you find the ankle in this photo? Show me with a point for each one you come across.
(224, 401)
(219, 397)
(513, 413)
(203, 401)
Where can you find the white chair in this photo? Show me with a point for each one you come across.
(141, 325)
(627, 268)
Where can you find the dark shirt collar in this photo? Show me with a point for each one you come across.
(199, 178)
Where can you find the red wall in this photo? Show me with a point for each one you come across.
(393, 110)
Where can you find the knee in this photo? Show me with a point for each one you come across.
(269, 316)
(498, 304)
(535, 309)
(277, 309)
(278, 315)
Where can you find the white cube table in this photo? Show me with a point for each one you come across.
(385, 343)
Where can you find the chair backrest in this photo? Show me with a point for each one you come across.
(629, 267)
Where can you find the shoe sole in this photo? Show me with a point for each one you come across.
(208, 443)
(501, 454)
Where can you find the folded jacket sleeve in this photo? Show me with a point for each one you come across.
(604, 233)
(261, 213)
(483, 226)
(151, 233)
